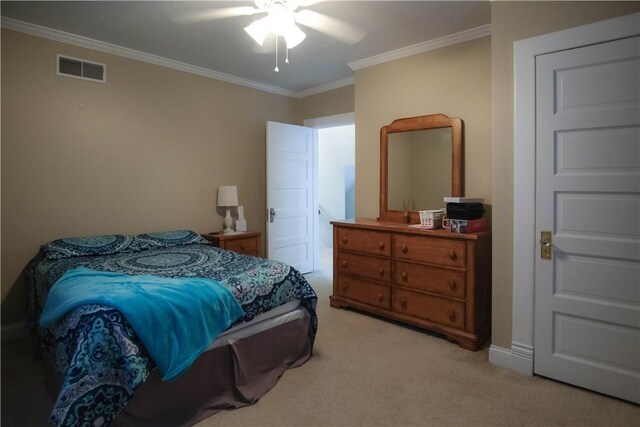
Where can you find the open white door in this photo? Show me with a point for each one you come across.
(290, 204)
(587, 291)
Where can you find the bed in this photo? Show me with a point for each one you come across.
(101, 372)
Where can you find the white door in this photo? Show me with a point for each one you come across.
(290, 205)
(587, 297)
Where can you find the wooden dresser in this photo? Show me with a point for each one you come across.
(433, 279)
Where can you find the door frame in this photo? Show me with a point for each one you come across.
(521, 355)
(315, 124)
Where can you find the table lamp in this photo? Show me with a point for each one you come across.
(227, 197)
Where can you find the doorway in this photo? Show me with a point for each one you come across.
(336, 184)
(337, 180)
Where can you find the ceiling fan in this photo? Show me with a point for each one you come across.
(282, 17)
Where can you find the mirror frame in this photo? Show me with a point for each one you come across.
(432, 121)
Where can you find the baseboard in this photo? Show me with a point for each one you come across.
(519, 357)
(13, 331)
(500, 356)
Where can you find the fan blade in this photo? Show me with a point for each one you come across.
(213, 14)
(333, 27)
(307, 3)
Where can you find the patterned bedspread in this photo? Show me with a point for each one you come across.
(97, 352)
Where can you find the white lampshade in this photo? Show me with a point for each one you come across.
(258, 30)
(293, 36)
(228, 195)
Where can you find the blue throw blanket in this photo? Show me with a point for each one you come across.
(175, 318)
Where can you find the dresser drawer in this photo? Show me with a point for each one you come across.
(364, 266)
(445, 282)
(245, 246)
(372, 242)
(435, 309)
(446, 252)
(365, 292)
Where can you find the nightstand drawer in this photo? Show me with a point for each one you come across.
(247, 245)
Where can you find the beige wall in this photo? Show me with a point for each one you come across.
(144, 152)
(512, 21)
(455, 81)
(333, 102)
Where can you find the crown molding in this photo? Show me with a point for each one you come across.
(73, 39)
(85, 42)
(463, 36)
(325, 87)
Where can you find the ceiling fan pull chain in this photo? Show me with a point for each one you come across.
(277, 70)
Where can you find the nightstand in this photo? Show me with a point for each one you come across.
(248, 242)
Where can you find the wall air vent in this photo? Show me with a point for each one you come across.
(81, 69)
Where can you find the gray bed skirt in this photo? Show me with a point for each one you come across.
(235, 372)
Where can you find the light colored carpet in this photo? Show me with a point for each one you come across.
(370, 372)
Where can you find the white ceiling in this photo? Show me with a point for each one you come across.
(163, 29)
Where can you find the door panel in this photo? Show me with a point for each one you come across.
(587, 297)
(290, 195)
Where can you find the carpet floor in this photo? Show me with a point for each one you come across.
(366, 371)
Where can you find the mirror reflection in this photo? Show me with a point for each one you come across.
(419, 169)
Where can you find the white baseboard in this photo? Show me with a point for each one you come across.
(519, 357)
(13, 331)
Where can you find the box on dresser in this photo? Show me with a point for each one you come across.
(433, 279)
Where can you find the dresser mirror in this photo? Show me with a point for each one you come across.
(420, 164)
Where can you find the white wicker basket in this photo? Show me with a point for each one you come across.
(431, 218)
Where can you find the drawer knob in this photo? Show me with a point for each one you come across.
(381, 246)
(404, 275)
(242, 246)
(344, 287)
(452, 285)
(451, 314)
(344, 240)
(344, 263)
(381, 271)
(404, 248)
(453, 255)
(380, 296)
(403, 302)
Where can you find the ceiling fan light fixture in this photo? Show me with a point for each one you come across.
(258, 30)
(293, 36)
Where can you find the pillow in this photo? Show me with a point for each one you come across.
(90, 245)
(166, 239)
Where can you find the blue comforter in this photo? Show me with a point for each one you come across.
(175, 318)
(101, 357)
